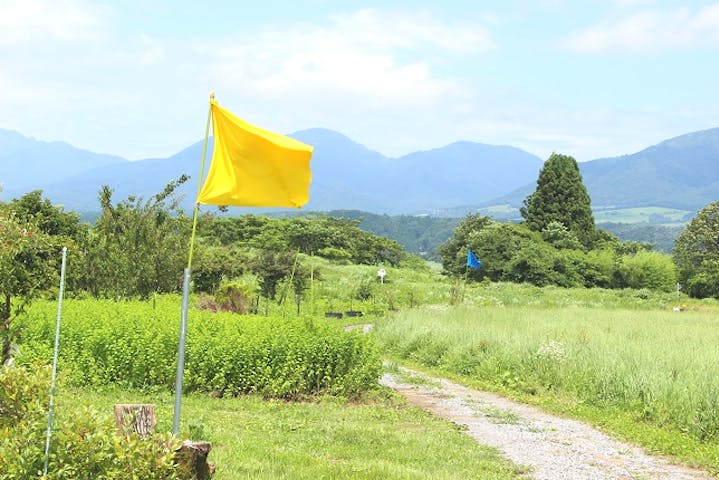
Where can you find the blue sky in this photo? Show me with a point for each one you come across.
(588, 79)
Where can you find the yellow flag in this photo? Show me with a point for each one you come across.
(253, 167)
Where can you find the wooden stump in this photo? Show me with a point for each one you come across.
(138, 419)
(191, 460)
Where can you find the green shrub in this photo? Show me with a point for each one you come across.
(84, 445)
(705, 280)
(652, 270)
(132, 344)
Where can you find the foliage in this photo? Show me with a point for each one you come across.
(26, 270)
(697, 250)
(541, 265)
(651, 270)
(134, 344)
(316, 234)
(213, 263)
(418, 234)
(559, 236)
(271, 268)
(84, 446)
(454, 251)
(50, 219)
(561, 197)
(662, 237)
(705, 281)
(136, 248)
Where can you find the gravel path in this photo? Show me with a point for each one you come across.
(554, 448)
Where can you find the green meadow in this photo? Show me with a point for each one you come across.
(645, 373)
(620, 359)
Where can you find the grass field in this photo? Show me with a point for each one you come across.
(651, 375)
(329, 438)
(656, 215)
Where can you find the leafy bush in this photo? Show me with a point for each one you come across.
(84, 445)
(132, 344)
(236, 296)
(651, 270)
(705, 280)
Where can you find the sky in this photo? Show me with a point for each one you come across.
(589, 79)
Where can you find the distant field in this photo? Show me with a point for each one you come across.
(653, 215)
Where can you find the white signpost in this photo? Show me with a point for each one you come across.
(381, 274)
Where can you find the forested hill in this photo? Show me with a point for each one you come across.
(680, 173)
(423, 234)
(345, 175)
(418, 234)
(26, 163)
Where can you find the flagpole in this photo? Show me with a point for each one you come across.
(54, 360)
(186, 285)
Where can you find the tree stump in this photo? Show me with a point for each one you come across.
(191, 460)
(138, 419)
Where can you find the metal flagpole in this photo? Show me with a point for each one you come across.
(54, 360)
(186, 287)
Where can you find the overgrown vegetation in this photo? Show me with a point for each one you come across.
(85, 445)
(606, 358)
(697, 253)
(135, 345)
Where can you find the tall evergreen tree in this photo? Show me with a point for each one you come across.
(561, 197)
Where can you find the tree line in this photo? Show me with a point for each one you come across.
(558, 243)
(139, 247)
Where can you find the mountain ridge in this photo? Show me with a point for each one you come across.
(680, 172)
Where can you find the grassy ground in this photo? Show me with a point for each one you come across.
(649, 375)
(638, 215)
(324, 439)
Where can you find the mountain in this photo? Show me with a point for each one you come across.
(682, 172)
(679, 173)
(346, 175)
(29, 163)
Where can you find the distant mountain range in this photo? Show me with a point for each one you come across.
(680, 173)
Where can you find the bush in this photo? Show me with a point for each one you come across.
(705, 280)
(132, 344)
(651, 270)
(84, 445)
(237, 296)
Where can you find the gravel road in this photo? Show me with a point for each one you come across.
(553, 448)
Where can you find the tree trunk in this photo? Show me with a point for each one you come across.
(138, 419)
(191, 460)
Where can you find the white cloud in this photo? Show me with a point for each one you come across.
(25, 22)
(367, 56)
(651, 30)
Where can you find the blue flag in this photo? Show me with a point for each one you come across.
(473, 261)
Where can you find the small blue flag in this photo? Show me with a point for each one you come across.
(473, 261)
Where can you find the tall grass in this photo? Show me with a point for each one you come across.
(660, 365)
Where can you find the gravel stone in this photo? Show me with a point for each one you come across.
(553, 448)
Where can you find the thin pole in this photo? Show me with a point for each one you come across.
(186, 286)
(181, 353)
(54, 360)
(199, 183)
(312, 283)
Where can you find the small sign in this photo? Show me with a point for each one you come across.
(381, 274)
